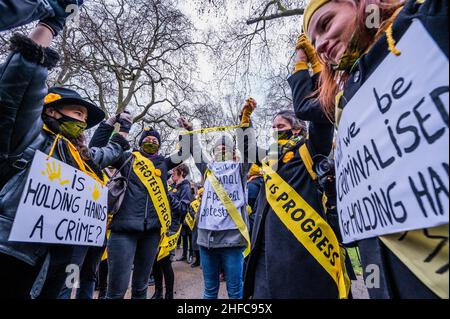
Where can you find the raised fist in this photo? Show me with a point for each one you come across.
(185, 124)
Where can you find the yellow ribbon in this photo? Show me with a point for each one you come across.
(168, 244)
(82, 165)
(145, 171)
(302, 220)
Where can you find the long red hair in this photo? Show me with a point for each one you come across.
(331, 81)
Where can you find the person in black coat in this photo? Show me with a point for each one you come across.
(279, 267)
(400, 273)
(136, 228)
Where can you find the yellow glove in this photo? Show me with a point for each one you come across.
(304, 44)
(249, 107)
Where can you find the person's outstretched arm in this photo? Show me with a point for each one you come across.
(189, 145)
(23, 88)
(16, 13)
(306, 107)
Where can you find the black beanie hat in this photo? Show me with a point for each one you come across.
(150, 132)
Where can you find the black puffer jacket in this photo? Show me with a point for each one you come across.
(396, 280)
(14, 13)
(22, 91)
(137, 213)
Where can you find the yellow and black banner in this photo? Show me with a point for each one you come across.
(151, 179)
(310, 229)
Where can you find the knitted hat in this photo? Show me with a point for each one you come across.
(150, 132)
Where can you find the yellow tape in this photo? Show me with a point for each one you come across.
(232, 210)
(214, 129)
(310, 229)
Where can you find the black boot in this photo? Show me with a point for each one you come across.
(169, 295)
(158, 295)
(196, 263)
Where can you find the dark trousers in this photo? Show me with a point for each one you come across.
(88, 260)
(187, 241)
(60, 258)
(16, 278)
(163, 269)
(102, 279)
(124, 251)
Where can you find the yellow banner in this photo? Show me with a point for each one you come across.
(310, 229)
(425, 252)
(168, 244)
(150, 177)
(232, 210)
(191, 220)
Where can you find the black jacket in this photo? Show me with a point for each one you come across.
(22, 91)
(279, 267)
(396, 280)
(181, 200)
(14, 13)
(137, 213)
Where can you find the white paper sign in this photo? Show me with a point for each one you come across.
(60, 205)
(392, 155)
(213, 214)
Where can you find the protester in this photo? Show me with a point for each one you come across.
(223, 221)
(351, 52)
(281, 265)
(144, 215)
(23, 265)
(53, 13)
(181, 191)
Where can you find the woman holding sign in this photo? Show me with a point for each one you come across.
(35, 123)
(369, 87)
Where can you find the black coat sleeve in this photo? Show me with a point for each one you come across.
(22, 92)
(307, 108)
(102, 135)
(15, 13)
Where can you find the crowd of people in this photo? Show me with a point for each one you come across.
(266, 221)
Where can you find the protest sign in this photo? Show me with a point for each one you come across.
(60, 205)
(213, 214)
(392, 154)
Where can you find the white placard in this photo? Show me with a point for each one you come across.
(60, 205)
(392, 155)
(213, 214)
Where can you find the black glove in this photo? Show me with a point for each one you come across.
(126, 122)
(58, 22)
